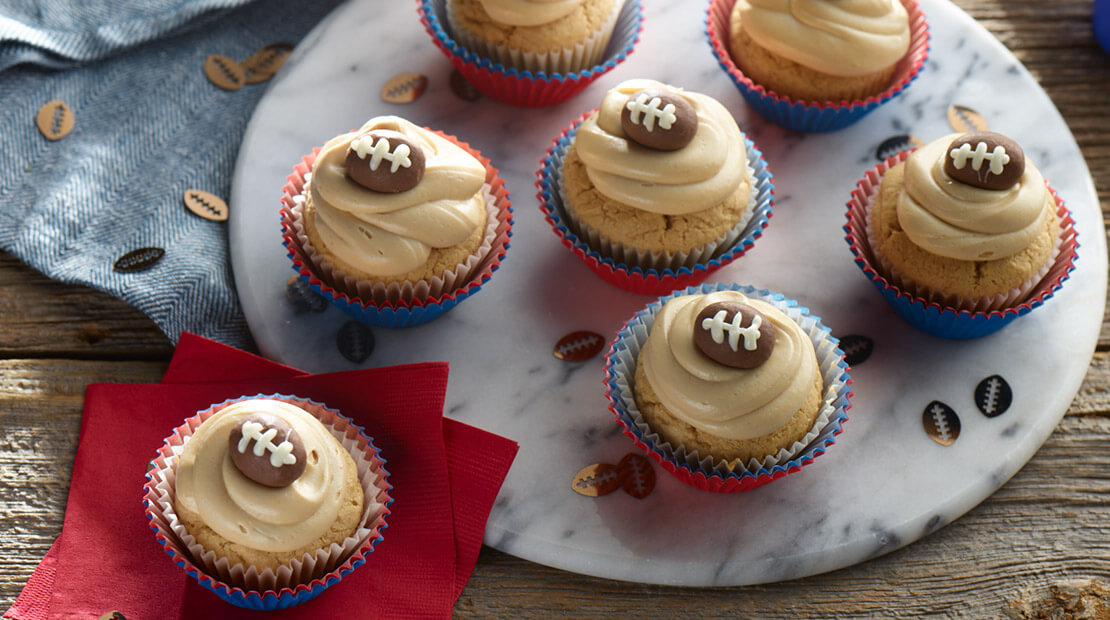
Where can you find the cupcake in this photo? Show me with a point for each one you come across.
(267, 501)
(814, 65)
(965, 225)
(394, 222)
(533, 52)
(728, 387)
(656, 188)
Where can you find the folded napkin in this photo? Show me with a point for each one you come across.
(149, 126)
(445, 477)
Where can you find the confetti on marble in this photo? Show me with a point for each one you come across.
(303, 298)
(578, 346)
(55, 120)
(896, 144)
(355, 341)
(597, 480)
(263, 64)
(993, 396)
(856, 348)
(963, 119)
(206, 205)
(138, 260)
(638, 474)
(941, 423)
(224, 72)
(404, 88)
(463, 90)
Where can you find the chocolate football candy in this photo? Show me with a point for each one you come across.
(659, 120)
(267, 450)
(734, 334)
(385, 161)
(985, 159)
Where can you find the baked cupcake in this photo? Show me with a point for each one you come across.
(965, 224)
(656, 188)
(267, 501)
(814, 65)
(728, 387)
(533, 52)
(395, 223)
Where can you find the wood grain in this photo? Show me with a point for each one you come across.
(1047, 527)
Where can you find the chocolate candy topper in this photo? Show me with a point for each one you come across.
(267, 450)
(734, 334)
(985, 159)
(659, 120)
(385, 161)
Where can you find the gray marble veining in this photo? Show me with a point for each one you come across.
(883, 484)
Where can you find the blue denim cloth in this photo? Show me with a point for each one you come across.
(149, 125)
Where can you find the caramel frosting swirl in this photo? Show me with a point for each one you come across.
(392, 234)
(733, 403)
(250, 514)
(953, 219)
(694, 178)
(844, 38)
(528, 12)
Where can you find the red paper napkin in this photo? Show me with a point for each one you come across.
(445, 477)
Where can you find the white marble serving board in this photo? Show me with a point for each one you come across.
(884, 484)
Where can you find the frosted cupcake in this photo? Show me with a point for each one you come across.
(965, 224)
(533, 52)
(814, 65)
(728, 387)
(656, 188)
(268, 500)
(396, 223)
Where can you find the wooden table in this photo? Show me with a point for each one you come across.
(1038, 547)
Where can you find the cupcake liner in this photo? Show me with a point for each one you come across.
(301, 579)
(935, 313)
(644, 272)
(577, 57)
(703, 472)
(405, 304)
(522, 87)
(811, 116)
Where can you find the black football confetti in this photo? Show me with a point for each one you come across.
(138, 260)
(993, 396)
(941, 423)
(856, 349)
(355, 341)
(896, 144)
(303, 298)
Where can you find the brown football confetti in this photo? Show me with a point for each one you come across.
(597, 480)
(263, 64)
(638, 475)
(578, 346)
(138, 260)
(941, 423)
(55, 120)
(224, 72)
(463, 90)
(404, 88)
(206, 205)
(112, 615)
(963, 119)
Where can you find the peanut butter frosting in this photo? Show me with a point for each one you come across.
(841, 37)
(693, 178)
(529, 12)
(953, 219)
(389, 234)
(256, 516)
(732, 403)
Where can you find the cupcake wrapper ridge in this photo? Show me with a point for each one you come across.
(300, 580)
(939, 319)
(809, 116)
(703, 472)
(521, 87)
(656, 274)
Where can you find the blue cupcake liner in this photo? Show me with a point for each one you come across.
(270, 599)
(636, 278)
(811, 116)
(704, 472)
